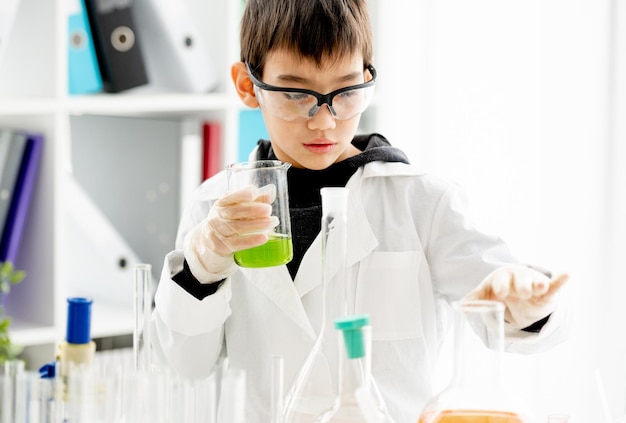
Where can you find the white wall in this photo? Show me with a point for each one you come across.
(512, 99)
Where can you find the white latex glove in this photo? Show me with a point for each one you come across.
(236, 222)
(527, 294)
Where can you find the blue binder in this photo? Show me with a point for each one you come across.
(84, 74)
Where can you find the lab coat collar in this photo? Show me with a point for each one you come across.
(361, 241)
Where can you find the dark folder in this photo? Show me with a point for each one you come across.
(118, 47)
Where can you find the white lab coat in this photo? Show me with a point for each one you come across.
(411, 248)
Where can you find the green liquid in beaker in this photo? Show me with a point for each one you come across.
(276, 251)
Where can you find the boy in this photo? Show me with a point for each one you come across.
(308, 65)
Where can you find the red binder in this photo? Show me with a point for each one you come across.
(211, 149)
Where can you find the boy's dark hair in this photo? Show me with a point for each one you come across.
(315, 29)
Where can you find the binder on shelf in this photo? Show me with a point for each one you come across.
(176, 55)
(191, 159)
(83, 72)
(102, 262)
(146, 177)
(21, 198)
(6, 138)
(8, 12)
(6, 135)
(117, 44)
(9, 177)
(211, 149)
(251, 130)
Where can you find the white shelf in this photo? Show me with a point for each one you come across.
(108, 320)
(26, 333)
(159, 103)
(27, 106)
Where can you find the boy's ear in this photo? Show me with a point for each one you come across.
(243, 84)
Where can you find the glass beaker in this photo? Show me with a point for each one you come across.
(268, 177)
(476, 393)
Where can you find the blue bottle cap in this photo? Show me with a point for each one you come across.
(352, 333)
(78, 320)
(48, 371)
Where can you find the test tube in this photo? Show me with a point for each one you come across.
(143, 309)
(277, 389)
(232, 405)
(39, 396)
(206, 401)
(12, 371)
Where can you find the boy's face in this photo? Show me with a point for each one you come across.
(312, 142)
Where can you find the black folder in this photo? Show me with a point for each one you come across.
(118, 47)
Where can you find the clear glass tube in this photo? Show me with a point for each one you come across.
(232, 406)
(476, 392)
(277, 389)
(10, 390)
(36, 397)
(206, 400)
(143, 310)
(334, 249)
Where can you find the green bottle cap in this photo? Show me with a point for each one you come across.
(353, 334)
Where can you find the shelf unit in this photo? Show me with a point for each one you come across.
(33, 97)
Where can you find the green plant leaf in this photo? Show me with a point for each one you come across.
(6, 268)
(8, 277)
(17, 277)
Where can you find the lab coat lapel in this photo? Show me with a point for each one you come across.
(361, 241)
(276, 284)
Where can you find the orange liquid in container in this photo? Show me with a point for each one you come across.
(471, 416)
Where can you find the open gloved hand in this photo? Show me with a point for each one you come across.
(527, 294)
(236, 221)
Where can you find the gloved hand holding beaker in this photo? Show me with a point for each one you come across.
(237, 221)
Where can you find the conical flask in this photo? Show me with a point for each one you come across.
(476, 393)
(325, 386)
(315, 389)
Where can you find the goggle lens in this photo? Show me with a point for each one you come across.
(293, 105)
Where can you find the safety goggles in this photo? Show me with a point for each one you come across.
(293, 103)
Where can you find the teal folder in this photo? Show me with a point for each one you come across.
(251, 130)
(83, 72)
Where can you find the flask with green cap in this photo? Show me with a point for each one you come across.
(359, 399)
